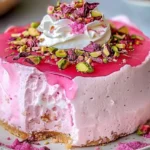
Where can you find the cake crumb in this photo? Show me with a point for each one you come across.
(8, 138)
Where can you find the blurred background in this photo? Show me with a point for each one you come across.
(28, 11)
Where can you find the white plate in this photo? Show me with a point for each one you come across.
(4, 139)
(139, 2)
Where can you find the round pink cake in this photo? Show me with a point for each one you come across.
(75, 77)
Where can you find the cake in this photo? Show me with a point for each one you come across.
(75, 77)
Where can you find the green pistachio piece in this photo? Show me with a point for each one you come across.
(22, 48)
(84, 67)
(58, 3)
(25, 33)
(34, 24)
(63, 64)
(61, 53)
(137, 37)
(112, 26)
(79, 52)
(123, 30)
(43, 49)
(33, 32)
(114, 48)
(35, 59)
(105, 60)
(117, 54)
(96, 54)
(96, 13)
(121, 46)
(52, 50)
(106, 51)
(119, 37)
(21, 42)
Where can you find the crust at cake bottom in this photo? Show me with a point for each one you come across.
(55, 136)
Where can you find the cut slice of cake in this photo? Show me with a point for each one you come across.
(74, 77)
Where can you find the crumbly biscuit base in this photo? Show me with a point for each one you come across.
(55, 136)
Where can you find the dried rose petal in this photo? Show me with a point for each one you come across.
(92, 47)
(66, 9)
(98, 60)
(71, 55)
(23, 54)
(77, 28)
(91, 6)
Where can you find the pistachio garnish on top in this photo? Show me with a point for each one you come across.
(26, 45)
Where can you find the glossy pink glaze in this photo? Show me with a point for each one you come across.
(136, 57)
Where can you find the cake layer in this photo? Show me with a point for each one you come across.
(102, 108)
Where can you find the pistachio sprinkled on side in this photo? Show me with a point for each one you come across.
(96, 13)
(63, 63)
(33, 32)
(79, 52)
(123, 30)
(34, 59)
(120, 43)
(105, 50)
(61, 53)
(96, 54)
(121, 46)
(34, 24)
(84, 67)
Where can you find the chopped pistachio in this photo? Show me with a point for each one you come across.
(106, 51)
(120, 37)
(19, 38)
(16, 35)
(34, 59)
(33, 32)
(114, 48)
(79, 52)
(53, 57)
(22, 48)
(89, 60)
(121, 46)
(117, 54)
(63, 64)
(105, 60)
(34, 24)
(96, 13)
(84, 67)
(25, 33)
(61, 53)
(43, 49)
(112, 25)
(21, 42)
(137, 37)
(52, 50)
(96, 54)
(123, 30)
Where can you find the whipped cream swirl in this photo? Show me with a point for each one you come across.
(66, 34)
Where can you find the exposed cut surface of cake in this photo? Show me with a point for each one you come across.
(75, 77)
